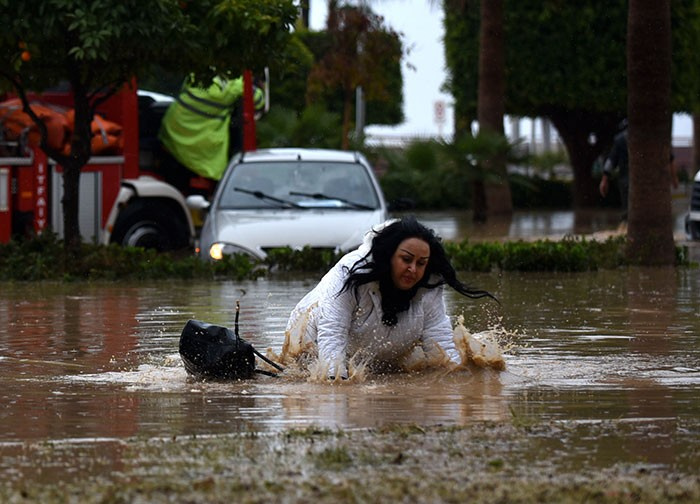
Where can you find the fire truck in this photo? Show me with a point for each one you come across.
(124, 198)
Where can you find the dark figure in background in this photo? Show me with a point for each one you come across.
(618, 158)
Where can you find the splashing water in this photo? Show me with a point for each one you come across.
(478, 350)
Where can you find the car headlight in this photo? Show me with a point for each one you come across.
(218, 250)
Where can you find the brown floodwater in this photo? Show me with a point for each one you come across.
(90, 364)
(602, 369)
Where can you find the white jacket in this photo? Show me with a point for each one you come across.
(344, 326)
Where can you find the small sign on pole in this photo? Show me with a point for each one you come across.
(439, 114)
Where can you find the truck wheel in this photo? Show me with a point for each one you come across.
(146, 234)
(149, 224)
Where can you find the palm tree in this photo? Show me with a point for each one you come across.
(696, 139)
(492, 196)
(650, 228)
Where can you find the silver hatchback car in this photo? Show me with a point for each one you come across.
(292, 197)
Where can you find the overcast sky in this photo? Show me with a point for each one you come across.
(420, 22)
(421, 25)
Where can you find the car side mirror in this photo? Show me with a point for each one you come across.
(197, 202)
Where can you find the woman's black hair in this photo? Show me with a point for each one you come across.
(376, 266)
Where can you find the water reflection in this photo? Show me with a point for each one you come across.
(457, 226)
(426, 398)
(652, 297)
(54, 332)
(521, 225)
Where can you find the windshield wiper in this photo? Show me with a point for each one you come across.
(263, 196)
(321, 196)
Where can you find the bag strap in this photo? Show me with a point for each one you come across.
(271, 363)
(238, 339)
(266, 373)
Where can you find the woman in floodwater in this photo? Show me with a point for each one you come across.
(379, 303)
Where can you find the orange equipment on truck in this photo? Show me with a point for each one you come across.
(122, 198)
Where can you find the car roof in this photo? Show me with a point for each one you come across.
(156, 97)
(298, 154)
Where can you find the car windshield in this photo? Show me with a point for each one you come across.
(300, 185)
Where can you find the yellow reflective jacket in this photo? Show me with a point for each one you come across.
(195, 128)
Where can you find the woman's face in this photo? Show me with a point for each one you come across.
(408, 263)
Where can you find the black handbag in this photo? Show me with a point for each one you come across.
(215, 352)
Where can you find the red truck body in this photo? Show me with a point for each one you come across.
(121, 200)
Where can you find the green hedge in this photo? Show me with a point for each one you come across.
(569, 254)
(44, 258)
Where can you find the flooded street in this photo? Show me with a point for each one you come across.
(86, 366)
(599, 399)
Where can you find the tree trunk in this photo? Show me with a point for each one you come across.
(650, 225)
(70, 201)
(72, 165)
(495, 194)
(575, 130)
(305, 11)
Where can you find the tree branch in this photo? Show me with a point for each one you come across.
(27, 109)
